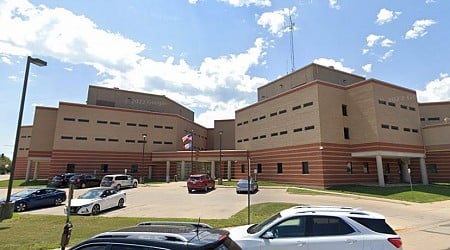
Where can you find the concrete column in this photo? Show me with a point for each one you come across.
(213, 169)
(404, 170)
(27, 173)
(380, 171)
(229, 170)
(183, 170)
(167, 171)
(36, 165)
(423, 171)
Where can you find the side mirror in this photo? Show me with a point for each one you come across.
(268, 235)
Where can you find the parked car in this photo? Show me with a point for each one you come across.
(243, 187)
(61, 181)
(96, 200)
(36, 198)
(85, 180)
(200, 182)
(314, 227)
(119, 181)
(162, 235)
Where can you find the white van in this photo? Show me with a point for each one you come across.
(118, 181)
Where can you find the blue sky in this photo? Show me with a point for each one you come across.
(211, 56)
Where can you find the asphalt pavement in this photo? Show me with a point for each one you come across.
(421, 226)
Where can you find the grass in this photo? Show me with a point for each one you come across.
(22, 183)
(25, 231)
(419, 193)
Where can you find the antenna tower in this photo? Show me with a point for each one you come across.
(291, 29)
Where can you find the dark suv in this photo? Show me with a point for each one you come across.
(85, 180)
(61, 181)
(162, 235)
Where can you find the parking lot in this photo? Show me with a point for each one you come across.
(418, 224)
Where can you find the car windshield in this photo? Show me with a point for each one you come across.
(195, 178)
(258, 227)
(24, 193)
(57, 178)
(91, 194)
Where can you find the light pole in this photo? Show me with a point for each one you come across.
(220, 157)
(40, 63)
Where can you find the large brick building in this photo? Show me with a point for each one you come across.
(316, 126)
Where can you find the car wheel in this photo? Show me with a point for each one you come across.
(206, 188)
(118, 187)
(135, 185)
(21, 207)
(83, 185)
(121, 202)
(189, 190)
(95, 209)
(58, 201)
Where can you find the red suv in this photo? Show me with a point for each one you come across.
(200, 182)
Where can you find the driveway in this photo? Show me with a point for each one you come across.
(421, 226)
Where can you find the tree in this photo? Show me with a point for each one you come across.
(5, 164)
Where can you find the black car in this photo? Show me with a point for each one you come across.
(162, 235)
(61, 181)
(85, 180)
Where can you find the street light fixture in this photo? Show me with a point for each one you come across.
(220, 157)
(40, 63)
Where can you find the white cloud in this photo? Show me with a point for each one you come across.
(12, 78)
(387, 43)
(327, 62)
(386, 16)
(334, 5)
(372, 39)
(276, 21)
(367, 68)
(68, 69)
(240, 3)
(386, 55)
(429, 1)
(6, 60)
(436, 90)
(419, 29)
(365, 51)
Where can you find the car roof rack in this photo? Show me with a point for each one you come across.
(174, 223)
(143, 235)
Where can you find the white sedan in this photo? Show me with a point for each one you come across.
(96, 200)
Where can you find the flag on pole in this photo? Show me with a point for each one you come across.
(187, 137)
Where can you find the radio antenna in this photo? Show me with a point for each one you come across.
(291, 30)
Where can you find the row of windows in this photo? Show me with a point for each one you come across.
(129, 124)
(393, 127)
(305, 168)
(25, 136)
(430, 119)
(280, 112)
(274, 134)
(71, 168)
(392, 104)
(101, 139)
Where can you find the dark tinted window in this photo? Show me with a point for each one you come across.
(121, 177)
(377, 225)
(328, 226)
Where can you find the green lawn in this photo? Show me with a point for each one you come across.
(25, 231)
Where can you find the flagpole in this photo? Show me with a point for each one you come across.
(192, 150)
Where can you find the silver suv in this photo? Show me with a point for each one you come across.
(319, 228)
(118, 181)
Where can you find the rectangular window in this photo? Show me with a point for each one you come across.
(168, 143)
(382, 102)
(391, 104)
(394, 127)
(305, 167)
(143, 125)
(104, 168)
(168, 127)
(254, 119)
(83, 120)
(434, 119)
(130, 141)
(239, 124)
(64, 137)
(131, 124)
(113, 140)
(81, 138)
(262, 117)
(346, 133)
(349, 168)
(134, 168)
(70, 168)
(273, 114)
(297, 130)
(100, 139)
(279, 168)
(309, 127)
(385, 126)
(102, 122)
(403, 107)
(407, 129)
(297, 107)
(308, 104)
(242, 168)
(259, 168)
(415, 130)
(274, 134)
(255, 138)
(344, 110)
(283, 132)
(245, 122)
(412, 108)
(262, 136)
(158, 126)
(157, 142)
(282, 111)
(114, 123)
(240, 140)
(422, 119)
(69, 119)
(366, 167)
(246, 139)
